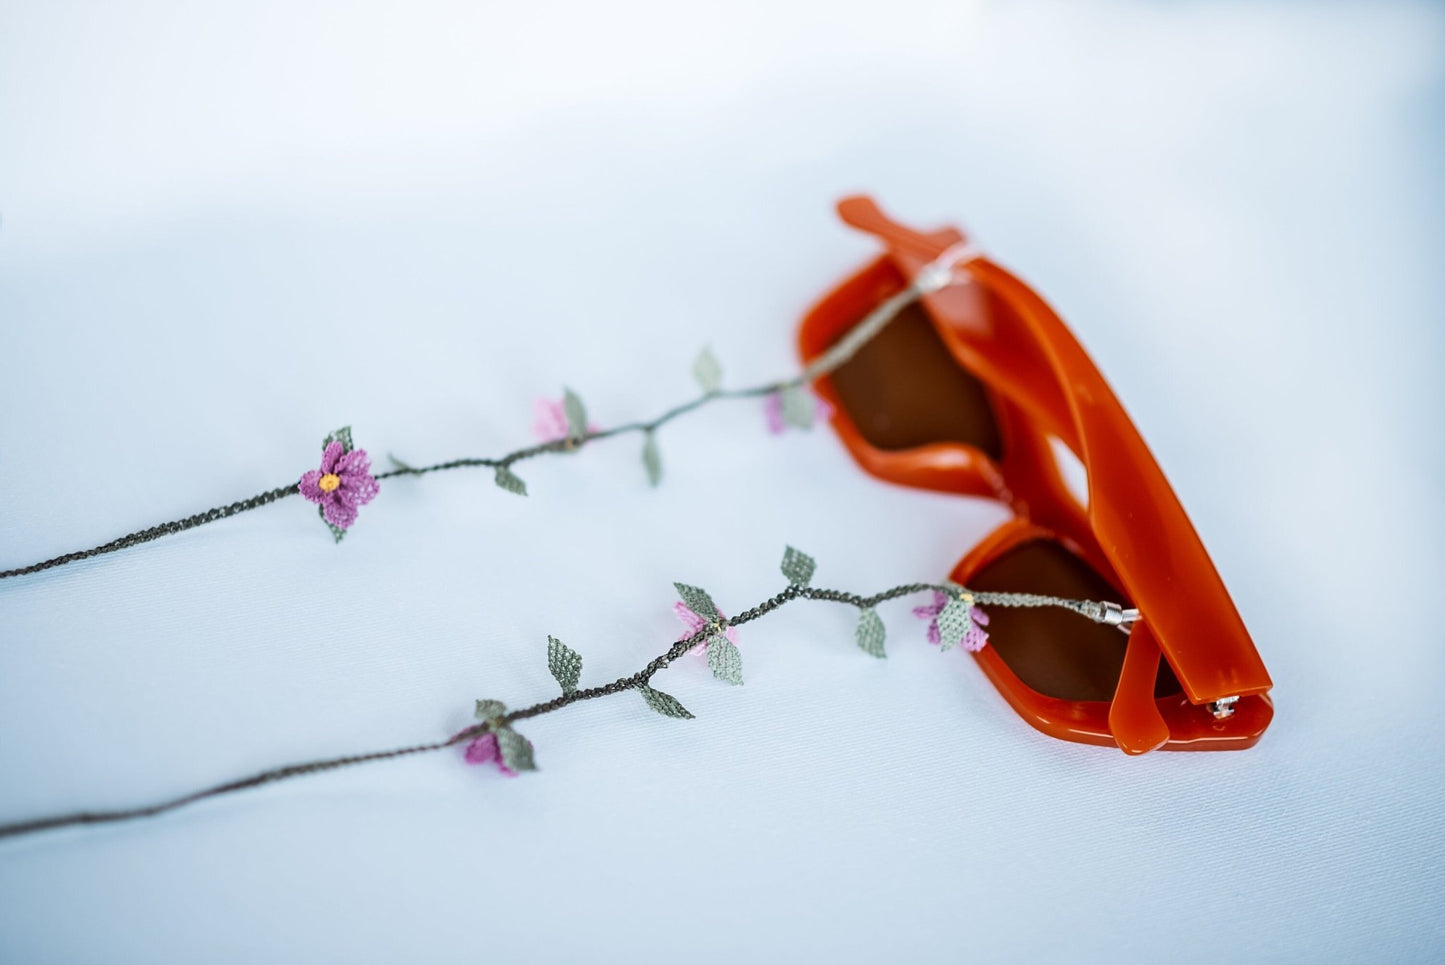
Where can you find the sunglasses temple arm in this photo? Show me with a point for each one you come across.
(863, 213)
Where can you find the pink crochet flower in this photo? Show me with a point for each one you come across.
(549, 422)
(694, 623)
(343, 483)
(484, 750)
(973, 640)
(773, 412)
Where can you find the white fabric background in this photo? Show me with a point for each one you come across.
(228, 229)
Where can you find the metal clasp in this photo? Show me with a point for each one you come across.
(1116, 616)
(940, 272)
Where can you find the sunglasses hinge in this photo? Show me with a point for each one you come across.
(1223, 708)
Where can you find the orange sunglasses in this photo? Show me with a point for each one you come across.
(974, 389)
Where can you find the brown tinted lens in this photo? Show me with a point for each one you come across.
(903, 389)
(1052, 650)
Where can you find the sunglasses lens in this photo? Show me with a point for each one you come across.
(903, 389)
(1054, 651)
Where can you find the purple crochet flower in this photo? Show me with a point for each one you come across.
(773, 412)
(343, 483)
(485, 750)
(694, 623)
(549, 421)
(973, 641)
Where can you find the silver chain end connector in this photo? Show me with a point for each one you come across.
(942, 271)
(1116, 616)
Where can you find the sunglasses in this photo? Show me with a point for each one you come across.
(980, 389)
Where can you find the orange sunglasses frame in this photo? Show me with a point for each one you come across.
(1133, 530)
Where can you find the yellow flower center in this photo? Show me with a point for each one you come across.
(329, 483)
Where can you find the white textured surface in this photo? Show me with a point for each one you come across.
(227, 232)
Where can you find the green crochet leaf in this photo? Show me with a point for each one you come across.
(336, 531)
(510, 481)
(664, 704)
(724, 660)
(707, 371)
(797, 406)
(343, 435)
(576, 414)
(565, 664)
(798, 566)
(488, 709)
(516, 750)
(698, 601)
(870, 633)
(953, 623)
(651, 460)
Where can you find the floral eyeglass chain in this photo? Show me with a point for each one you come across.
(343, 482)
(955, 618)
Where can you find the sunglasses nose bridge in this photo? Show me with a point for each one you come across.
(1134, 717)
